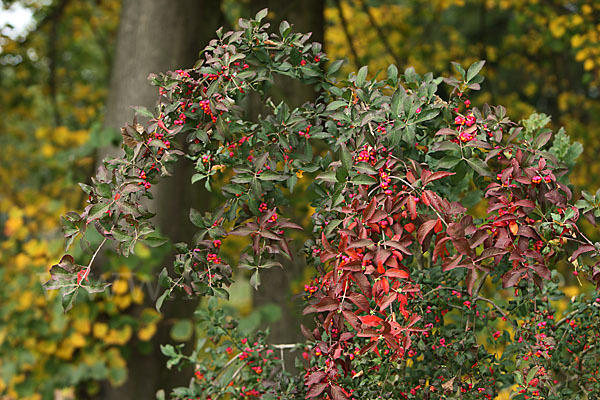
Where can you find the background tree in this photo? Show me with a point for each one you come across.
(55, 84)
(158, 36)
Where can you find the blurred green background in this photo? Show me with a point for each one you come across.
(69, 70)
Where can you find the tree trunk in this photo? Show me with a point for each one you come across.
(305, 16)
(157, 36)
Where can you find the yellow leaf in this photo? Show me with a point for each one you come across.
(100, 329)
(137, 295)
(82, 325)
(147, 332)
(577, 41)
(120, 286)
(77, 340)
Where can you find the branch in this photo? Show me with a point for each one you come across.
(380, 33)
(54, 18)
(347, 33)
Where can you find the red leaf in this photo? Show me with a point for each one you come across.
(425, 228)
(338, 393)
(307, 334)
(471, 278)
(371, 320)
(425, 174)
(315, 377)
(437, 175)
(327, 304)
(370, 209)
(586, 248)
(514, 227)
(316, 390)
(440, 249)
(363, 283)
(387, 300)
(542, 271)
(397, 246)
(352, 319)
(438, 226)
(446, 131)
(510, 278)
(491, 252)
(396, 273)
(381, 256)
(412, 207)
(377, 216)
(360, 301)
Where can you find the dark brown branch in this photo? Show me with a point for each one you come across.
(54, 18)
(380, 33)
(347, 33)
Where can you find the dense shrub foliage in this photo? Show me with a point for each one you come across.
(439, 229)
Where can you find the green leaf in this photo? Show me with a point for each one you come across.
(98, 211)
(261, 14)
(197, 177)
(68, 298)
(479, 166)
(346, 157)
(340, 174)
(361, 75)
(459, 68)
(334, 67)
(426, 116)
(474, 69)
(327, 176)
(196, 218)
(392, 73)
(161, 299)
(86, 188)
(255, 280)
(141, 110)
(168, 350)
(363, 180)
(182, 330)
(334, 105)
(155, 241)
(448, 162)
(120, 236)
(531, 374)
(271, 176)
(519, 378)
(222, 293)
(284, 29)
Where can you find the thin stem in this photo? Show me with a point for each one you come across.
(89, 266)
(479, 298)
(483, 278)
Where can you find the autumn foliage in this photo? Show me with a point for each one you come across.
(438, 232)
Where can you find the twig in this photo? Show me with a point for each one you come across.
(483, 278)
(478, 298)
(89, 266)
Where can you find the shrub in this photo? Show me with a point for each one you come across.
(438, 235)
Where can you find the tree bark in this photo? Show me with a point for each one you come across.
(305, 16)
(157, 36)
